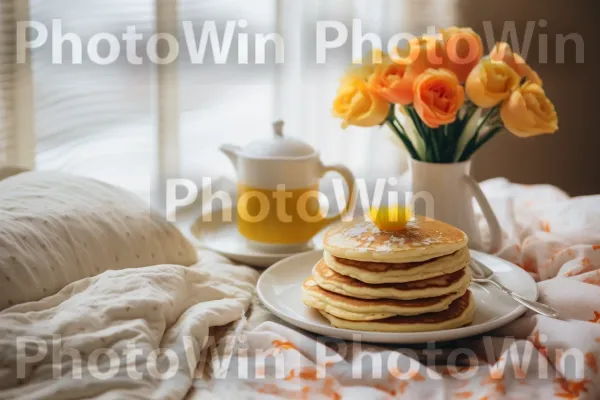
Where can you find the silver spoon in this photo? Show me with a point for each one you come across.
(482, 274)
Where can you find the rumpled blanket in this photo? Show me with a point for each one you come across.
(132, 333)
(171, 332)
(553, 237)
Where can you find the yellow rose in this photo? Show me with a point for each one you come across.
(366, 67)
(491, 82)
(375, 57)
(464, 49)
(357, 105)
(528, 112)
(503, 52)
(438, 96)
(363, 72)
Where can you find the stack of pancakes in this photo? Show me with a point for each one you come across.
(412, 280)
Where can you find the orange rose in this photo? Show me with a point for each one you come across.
(459, 51)
(392, 82)
(438, 96)
(503, 52)
(420, 54)
(464, 49)
(491, 82)
(528, 112)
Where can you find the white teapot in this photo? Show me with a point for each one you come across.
(279, 206)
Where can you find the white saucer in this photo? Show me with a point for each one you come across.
(223, 237)
(280, 290)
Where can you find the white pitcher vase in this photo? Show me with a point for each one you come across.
(447, 191)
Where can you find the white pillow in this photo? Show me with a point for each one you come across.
(56, 229)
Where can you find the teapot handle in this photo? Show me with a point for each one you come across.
(488, 213)
(350, 181)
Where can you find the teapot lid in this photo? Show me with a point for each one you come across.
(278, 146)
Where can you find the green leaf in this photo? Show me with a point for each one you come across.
(435, 139)
(411, 132)
(489, 134)
(467, 133)
(472, 144)
(422, 130)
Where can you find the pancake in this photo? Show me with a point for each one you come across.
(459, 313)
(384, 272)
(353, 309)
(422, 239)
(441, 285)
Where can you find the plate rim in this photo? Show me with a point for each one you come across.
(386, 337)
(261, 258)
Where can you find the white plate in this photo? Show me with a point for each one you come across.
(223, 237)
(280, 290)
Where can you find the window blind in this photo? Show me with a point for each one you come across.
(7, 16)
(16, 100)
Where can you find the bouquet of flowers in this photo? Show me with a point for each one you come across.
(443, 99)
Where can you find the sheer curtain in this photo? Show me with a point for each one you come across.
(95, 120)
(227, 103)
(103, 121)
(299, 91)
(307, 90)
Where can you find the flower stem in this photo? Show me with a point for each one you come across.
(395, 125)
(435, 136)
(424, 132)
(472, 146)
(485, 118)
(490, 134)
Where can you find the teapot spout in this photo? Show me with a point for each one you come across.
(231, 152)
